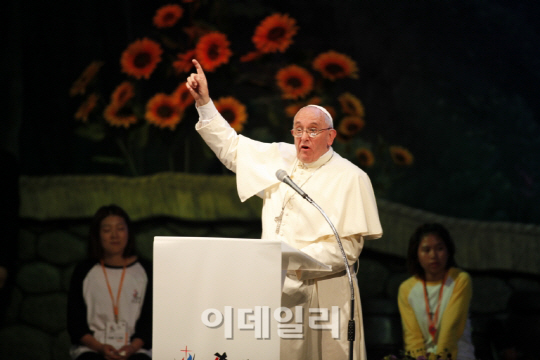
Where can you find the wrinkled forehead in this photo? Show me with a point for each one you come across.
(309, 116)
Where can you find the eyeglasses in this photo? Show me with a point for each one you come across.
(312, 132)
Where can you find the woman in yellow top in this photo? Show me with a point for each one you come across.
(434, 302)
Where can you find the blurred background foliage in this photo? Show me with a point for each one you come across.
(453, 81)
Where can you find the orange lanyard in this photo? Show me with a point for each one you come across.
(115, 303)
(432, 320)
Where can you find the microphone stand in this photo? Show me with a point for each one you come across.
(282, 176)
(351, 326)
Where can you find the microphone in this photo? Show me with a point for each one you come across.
(282, 176)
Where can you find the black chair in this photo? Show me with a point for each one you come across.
(523, 324)
(382, 328)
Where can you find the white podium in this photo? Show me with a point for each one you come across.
(220, 297)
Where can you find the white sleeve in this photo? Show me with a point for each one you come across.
(218, 135)
(206, 113)
(327, 251)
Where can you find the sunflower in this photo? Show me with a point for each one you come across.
(274, 33)
(401, 156)
(233, 111)
(294, 81)
(163, 111)
(183, 62)
(167, 15)
(86, 107)
(350, 126)
(123, 93)
(118, 116)
(351, 105)
(182, 96)
(365, 157)
(213, 50)
(79, 86)
(333, 65)
(141, 58)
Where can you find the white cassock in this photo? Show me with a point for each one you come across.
(345, 194)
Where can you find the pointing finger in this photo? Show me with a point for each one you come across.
(198, 66)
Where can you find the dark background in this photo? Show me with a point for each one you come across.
(454, 81)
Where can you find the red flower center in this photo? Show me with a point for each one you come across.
(164, 111)
(169, 17)
(184, 96)
(333, 68)
(294, 82)
(122, 96)
(276, 33)
(213, 52)
(141, 60)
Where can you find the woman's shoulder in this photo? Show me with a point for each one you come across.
(461, 277)
(459, 274)
(146, 264)
(408, 284)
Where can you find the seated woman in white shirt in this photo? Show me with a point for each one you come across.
(110, 295)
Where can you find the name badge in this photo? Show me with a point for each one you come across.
(116, 334)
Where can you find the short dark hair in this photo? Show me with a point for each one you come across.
(95, 250)
(413, 264)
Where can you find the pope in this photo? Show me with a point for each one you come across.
(339, 187)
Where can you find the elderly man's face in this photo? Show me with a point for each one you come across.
(310, 149)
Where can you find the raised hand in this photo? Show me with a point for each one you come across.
(198, 86)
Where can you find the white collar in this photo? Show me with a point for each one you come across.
(319, 162)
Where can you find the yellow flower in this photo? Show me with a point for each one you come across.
(123, 93)
(163, 111)
(365, 157)
(275, 33)
(233, 111)
(213, 50)
(86, 107)
(351, 105)
(401, 156)
(167, 15)
(294, 81)
(182, 96)
(350, 126)
(117, 116)
(183, 62)
(141, 58)
(79, 86)
(333, 65)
